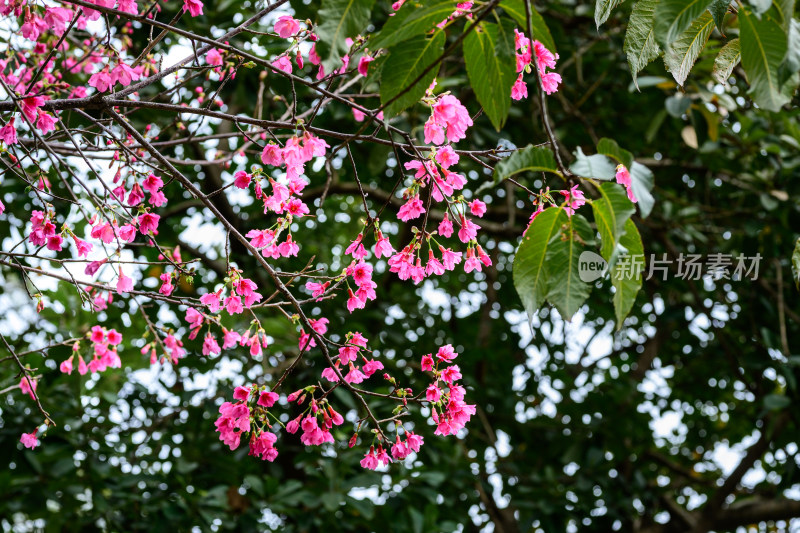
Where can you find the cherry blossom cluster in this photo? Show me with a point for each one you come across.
(348, 360)
(249, 414)
(544, 59)
(449, 410)
(104, 352)
(131, 205)
(243, 294)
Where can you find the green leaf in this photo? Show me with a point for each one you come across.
(529, 159)
(610, 148)
(796, 264)
(785, 11)
(684, 51)
(776, 402)
(728, 57)
(626, 274)
(642, 184)
(655, 125)
(718, 8)
(611, 211)
(339, 19)
(489, 56)
(565, 289)
(331, 501)
(640, 41)
(764, 44)
(792, 60)
(541, 33)
(410, 22)
(530, 279)
(603, 9)
(677, 104)
(364, 507)
(405, 63)
(673, 17)
(595, 166)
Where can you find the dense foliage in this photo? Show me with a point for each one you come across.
(663, 402)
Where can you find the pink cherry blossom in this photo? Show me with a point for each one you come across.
(124, 75)
(433, 393)
(241, 179)
(211, 347)
(101, 81)
(46, 122)
(29, 440)
(412, 209)
(148, 222)
(233, 305)
(214, 57)
(550, 82)
(363, 64)
(574, 199)
(28, 386)
(66, 366)
(8, 133)
(468, 231)
(477, 208)
(370, 461)
(283, 63)
(519, 90)
(55, 242)
(194, 7)
(383, 248)
(124, 283)
(447, 157)
(263, 445)
(267, 398)
(286, 27)
(445, 226)
(624, 178)
(272, 155)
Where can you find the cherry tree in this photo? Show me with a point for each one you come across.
(104, 133)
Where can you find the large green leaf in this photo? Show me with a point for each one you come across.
(640, 41)
(410, 22)
(718, 8)
(642, 183)
(784, 10)
(626, 274)
(603, 9)
(792, 60)
(405, 63)
(340, 19)
(611, 211)
(728, 57)
(528, 159)
(764, 44)
(595, 166)
(530, 278)
(566, 291)
(673, 17)
(684, 51)
(541, 33)
(489, 56)
(610, 148)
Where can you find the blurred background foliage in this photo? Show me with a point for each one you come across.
(570, 432)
